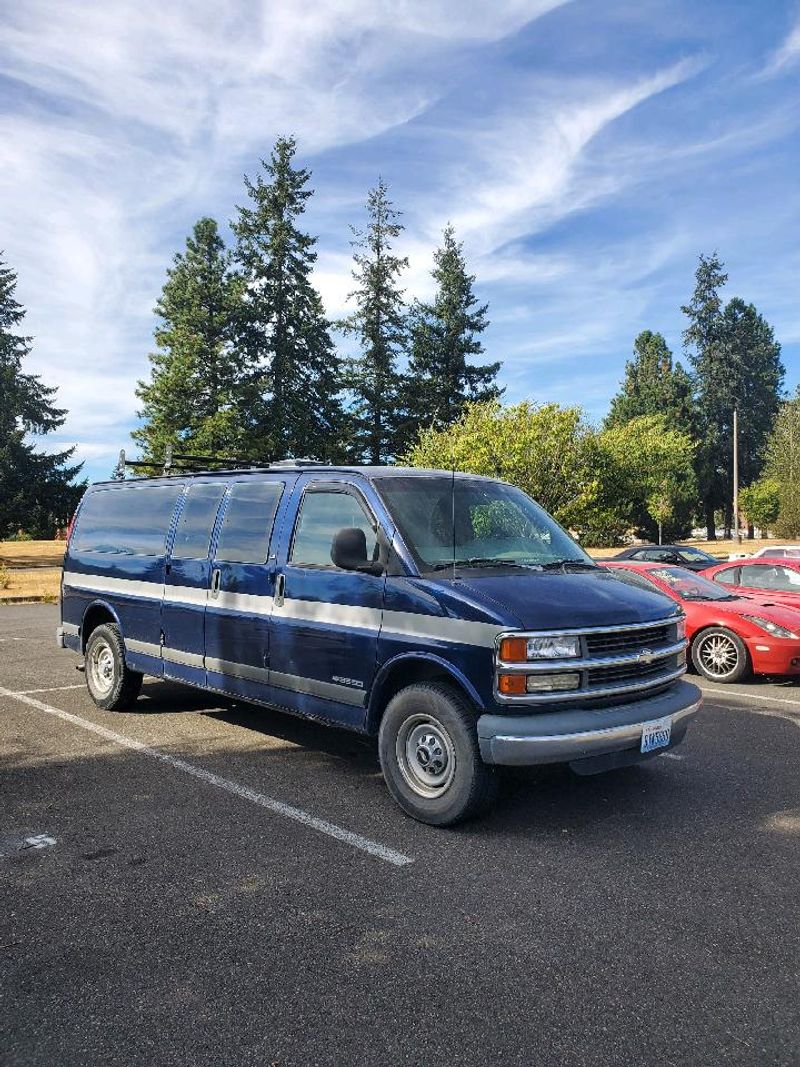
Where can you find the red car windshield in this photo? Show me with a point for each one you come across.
(689, 586)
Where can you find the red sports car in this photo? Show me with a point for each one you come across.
(730, 636)
(770, 581)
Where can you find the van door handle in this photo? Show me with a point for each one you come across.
(215, 580)
(280, 589)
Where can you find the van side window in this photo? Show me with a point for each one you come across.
(193, 534)
(247, 526)
(322, 514)
(127, 521)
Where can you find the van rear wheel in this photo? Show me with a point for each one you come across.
(429, 754)
(111, 684)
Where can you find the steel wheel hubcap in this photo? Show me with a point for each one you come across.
(719, 655)
(101, 664)
(425, 755)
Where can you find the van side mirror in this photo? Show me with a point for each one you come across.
(349, 552)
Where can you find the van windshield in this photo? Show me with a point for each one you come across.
(476, 523)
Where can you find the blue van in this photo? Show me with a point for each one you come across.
(448, 614)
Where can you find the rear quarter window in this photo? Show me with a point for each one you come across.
(130, 521)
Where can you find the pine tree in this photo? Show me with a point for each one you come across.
(294, 374)
(653, 385)
(37, 490)
(702, 339)
(193, 398)
(379, 323)
(444, 335)
(737, 365)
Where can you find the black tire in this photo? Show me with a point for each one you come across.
(428, 748)
(720, 655)
(111, 684)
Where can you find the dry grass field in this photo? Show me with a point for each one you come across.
(31, 553)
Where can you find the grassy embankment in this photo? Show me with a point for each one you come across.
(30, 569)
(33, 568)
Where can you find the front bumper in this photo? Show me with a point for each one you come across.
(590, 739)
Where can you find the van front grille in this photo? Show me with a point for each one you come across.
(607, 644)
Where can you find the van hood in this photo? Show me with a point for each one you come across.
(554, 600)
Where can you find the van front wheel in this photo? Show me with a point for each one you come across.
(111, 684)
(429, 754)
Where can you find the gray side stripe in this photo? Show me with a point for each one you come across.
(327, 690)
(393, 623)
(143, 647)
(177, 655)
(124, 586)
(334, 614)
(237, 670)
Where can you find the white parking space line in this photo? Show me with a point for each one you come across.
(374, 848)
(52, 689)
(671, 755)
(753, 697)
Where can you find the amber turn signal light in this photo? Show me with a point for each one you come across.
(512, 685)
(514, 650)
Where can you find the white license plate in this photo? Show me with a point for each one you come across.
(656, 734)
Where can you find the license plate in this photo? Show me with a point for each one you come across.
(656, 734)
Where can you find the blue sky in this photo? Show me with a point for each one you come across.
(586, 152)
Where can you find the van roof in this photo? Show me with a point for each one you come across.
(304, 468)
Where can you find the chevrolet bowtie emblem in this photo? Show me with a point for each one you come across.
(646, 656)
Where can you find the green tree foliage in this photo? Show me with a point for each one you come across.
(653, 385)
(547, 450)
(37, 490)
(445, 335)
(194, 396)
(294, 406)
(379, 324)
(647, 478)
(783, 464)
(761, 503)
(736, 363)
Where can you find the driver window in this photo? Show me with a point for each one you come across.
(322, 514)
(760, 577)
(730, 577)
(787, 580)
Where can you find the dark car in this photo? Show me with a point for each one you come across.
(694, 559)
(447, 614)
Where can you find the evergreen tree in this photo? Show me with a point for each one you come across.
(379, 323)
(193, 398)
(754, 385)
(737, 365)
(294, 379)
(37, 493)
(703, 341)
(444, 335)
(653, 385)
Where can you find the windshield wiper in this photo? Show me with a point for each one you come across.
(551, 564)
(483, 561)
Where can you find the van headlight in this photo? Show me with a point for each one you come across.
(680, 628)
(525, 649)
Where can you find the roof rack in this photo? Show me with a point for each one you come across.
(182, 463)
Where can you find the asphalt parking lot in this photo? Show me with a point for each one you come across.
(202, 882)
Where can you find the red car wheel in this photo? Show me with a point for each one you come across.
(721, 655)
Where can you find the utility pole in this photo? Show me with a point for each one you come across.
(738, 534)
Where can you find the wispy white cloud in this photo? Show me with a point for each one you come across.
(122, 118)
(786, 54)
